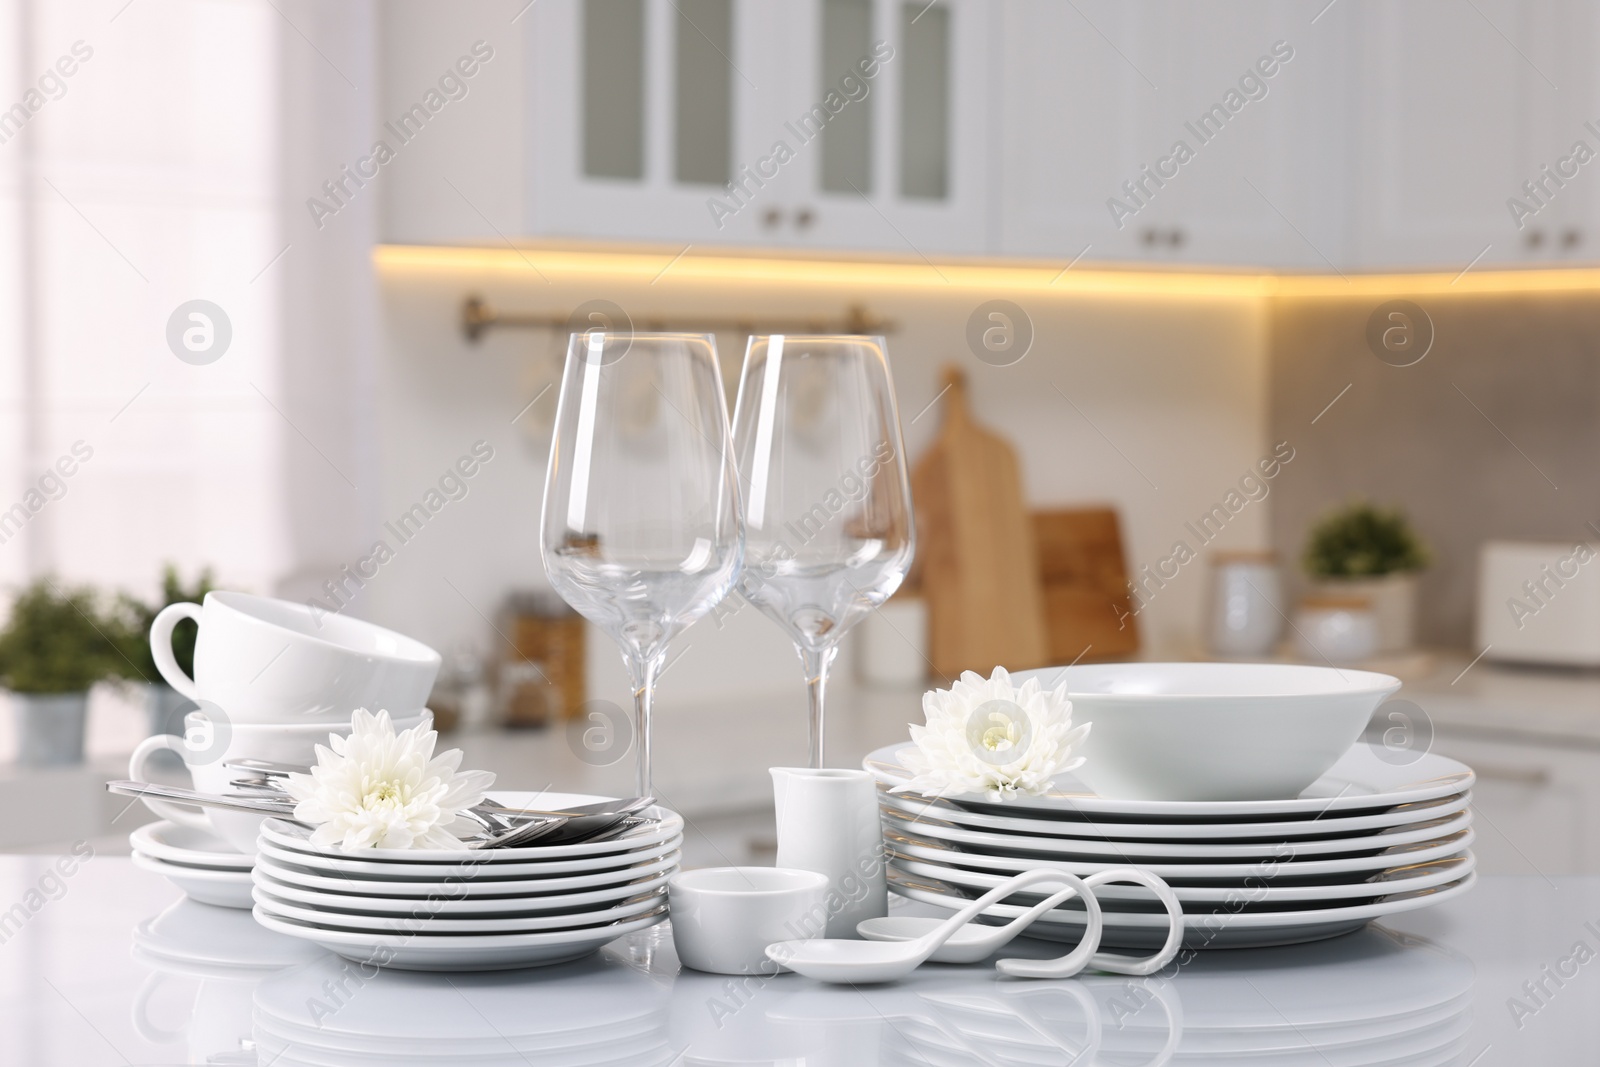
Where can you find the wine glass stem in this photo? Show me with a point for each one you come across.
(642, 670)
(816, 668)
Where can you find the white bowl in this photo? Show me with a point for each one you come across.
(1214, 731)
(723, 918)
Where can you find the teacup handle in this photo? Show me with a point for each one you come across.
(141, 1013)
(161, 646)
(1135, 965)
(166, 809)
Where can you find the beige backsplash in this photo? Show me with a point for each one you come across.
(1494, 434)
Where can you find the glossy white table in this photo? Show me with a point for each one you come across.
(110, 966)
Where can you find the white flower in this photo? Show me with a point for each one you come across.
(988, 736)
(377, 789)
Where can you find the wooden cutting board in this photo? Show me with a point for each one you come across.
(1084, 576)
(978, 568)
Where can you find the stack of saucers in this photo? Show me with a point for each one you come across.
(200, 863)
(447, 910)
(1370, 838)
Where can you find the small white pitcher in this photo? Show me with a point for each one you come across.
(828, 822)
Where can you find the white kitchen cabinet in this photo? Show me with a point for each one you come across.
(1459, 105)
(830, 123)
(1098, 98)
(1537, 805)
(1392, 139)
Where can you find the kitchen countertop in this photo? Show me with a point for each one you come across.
(110, 966)
(1559, 705)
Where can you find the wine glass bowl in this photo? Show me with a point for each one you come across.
(822, 471)
(641, 531)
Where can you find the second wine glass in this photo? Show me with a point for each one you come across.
(828, 524)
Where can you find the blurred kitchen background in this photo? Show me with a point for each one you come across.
(1287, 310)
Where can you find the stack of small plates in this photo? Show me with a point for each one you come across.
(1369, 838)
(200, 863)
(446, 910)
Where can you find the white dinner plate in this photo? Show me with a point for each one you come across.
(1334, 823)
(358, 888)
(431, 924)
(460, 952)
(225, 889)
(1188, 873)
(1359, 781)
(997, 844)
(667, 823)
(475, 871)
(498, 907)
(1397, 880)
(188, 845)
(1238, 930)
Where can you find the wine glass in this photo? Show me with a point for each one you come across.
(828, 530)
(641, 531)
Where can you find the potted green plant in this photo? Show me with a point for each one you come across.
(1370, 552)
(56, 645)
(164, 704)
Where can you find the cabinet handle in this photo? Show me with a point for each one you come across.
(1519, 775)
(803, 218)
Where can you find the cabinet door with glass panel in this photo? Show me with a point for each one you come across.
(823, 123)
(886, 116)
(642, 112)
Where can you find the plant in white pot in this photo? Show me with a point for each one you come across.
(165, 706)
(1370, 552)
(55, 646)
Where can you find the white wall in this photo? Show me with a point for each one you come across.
(1173, 386)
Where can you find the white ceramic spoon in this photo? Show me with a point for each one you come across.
(1106, 961)
(859, 962)
(975, 941)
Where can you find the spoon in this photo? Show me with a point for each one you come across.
(1108, 961)
(283, 808)
(857, 962)
(975, 941)
(583, 820)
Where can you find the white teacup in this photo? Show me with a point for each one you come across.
(209, 742)
(268, 661)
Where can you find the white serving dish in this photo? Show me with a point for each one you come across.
(543, 903)
(1213, 731)
(225, 889)
(1358, 782)
(361, 888)
(482, 871)
(460, 952)
(1392, 880)
(1141, 852)
(668, 824)
(1237, 930)
(1186, 873)
(431, 923)
(918, 808)
(189, 846)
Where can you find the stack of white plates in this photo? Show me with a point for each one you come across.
(1367, 839)
(200, 863)
(422, 909)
